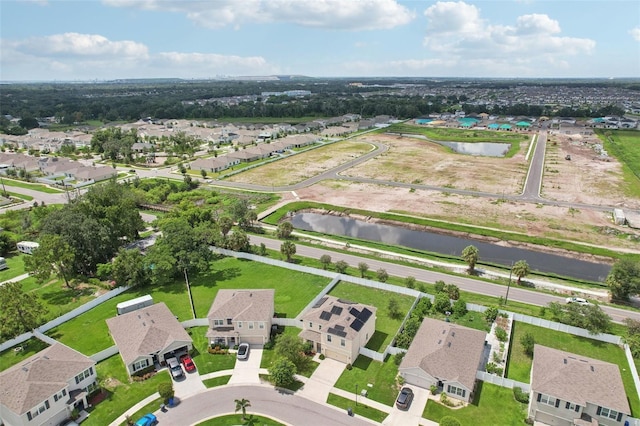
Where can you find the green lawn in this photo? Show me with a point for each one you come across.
(149, 408)
(216, 381)
(32, 186)
(89, 334)
(365, 371)
(519, 364)
(458, 135)
(57, 297)
(206, 362)
(361, 409)
(16, 267)
(492, 405)
(236, 419)
(122, 394)
(18, 195)
(12, 357)
(386, 327)
(625, 146)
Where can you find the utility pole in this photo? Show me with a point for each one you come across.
(506, 298)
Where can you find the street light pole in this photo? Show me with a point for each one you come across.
(506, 298)
(356, 394)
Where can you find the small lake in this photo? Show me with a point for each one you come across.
(486, 149)
(446, 244)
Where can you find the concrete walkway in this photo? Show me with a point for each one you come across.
(320, 384)
(247, 372)
(14, 279)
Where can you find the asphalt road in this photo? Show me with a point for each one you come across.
(464, 283)
(292, 409)
(533, 184)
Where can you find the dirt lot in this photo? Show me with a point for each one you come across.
(586, 177)
(412, 160)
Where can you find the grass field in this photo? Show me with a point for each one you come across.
(492, 405)
(32, 186)
(458, 135)
(12, 357)
(216, 381)
(18, 195)
(365, 371)
(360, 409)
(16, 267)
(625, 146)
(519, 364)
(236, 419)
(206, 362)
(88, 333)
(386, 326)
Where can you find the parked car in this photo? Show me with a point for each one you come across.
(578, 300)
(243, 351)
(404, 398)
(188, 364)
(147, 420)
(175, 368)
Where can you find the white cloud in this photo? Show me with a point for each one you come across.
(457, 31)
(635, 33)
(72, 56)
(334, 14)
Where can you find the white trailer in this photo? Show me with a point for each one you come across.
(27, 247)
(134, 304)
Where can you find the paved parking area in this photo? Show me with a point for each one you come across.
(247, 371)
(190, 385)
(413, 416)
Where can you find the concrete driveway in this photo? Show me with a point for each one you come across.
(413, 416)
(247, 371)
(321, 382)
(190, 385)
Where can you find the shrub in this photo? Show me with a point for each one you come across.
(492, 368)
(165, 389)
(397, 358)
(218, 350)
(501, 334)
(433, 389)
(520, 395)
(528, 342)
(321, 356)
(449, 421)
(444, 400)
(439, 286)
(349, 366)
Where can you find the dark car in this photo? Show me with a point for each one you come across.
(404, 398)
(243, 351)
(188, 364)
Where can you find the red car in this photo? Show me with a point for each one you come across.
(188, 363)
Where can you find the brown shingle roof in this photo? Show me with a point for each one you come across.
(336, 317)
(578, 379)
(40, 376)
(446, 351)
(146, 331)
(243, 305)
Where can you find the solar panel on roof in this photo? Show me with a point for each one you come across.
(357, 325)
(365, 315)
(337, 310)
(354, 312)
(336, 332)
(325, 315)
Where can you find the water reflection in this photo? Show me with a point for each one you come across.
(395, 235)
(487, 149)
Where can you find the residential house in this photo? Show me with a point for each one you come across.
(338, 328)
(45, 388)
(214, 164)
(148, 336)
(445, 355)
(569, 389)
(241, 316)
(95, 174)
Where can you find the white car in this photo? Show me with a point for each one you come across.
(578, 300)
(175, 368)
(243, 351)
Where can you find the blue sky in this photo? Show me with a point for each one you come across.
(110, 39)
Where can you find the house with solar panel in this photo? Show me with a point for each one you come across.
(338, 328)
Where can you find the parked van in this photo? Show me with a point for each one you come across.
(3, 263)
(27, 247)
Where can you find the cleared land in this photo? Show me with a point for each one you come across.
(303, 166)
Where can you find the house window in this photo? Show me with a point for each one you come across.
(229, 321)
(328, 338)
(609, 413)
(571, 406)
(454, 390)
(342, 342)
(93, 386)
(261, 325)
(310, 324)
(218, 322)
(546, 399)
(60, 395)
(250, 325)
(239, 324)
(140, 365)
(319, 326)
(41, 409)
(86, 373)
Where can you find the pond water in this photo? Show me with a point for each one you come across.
(487, 149)
(445, 244)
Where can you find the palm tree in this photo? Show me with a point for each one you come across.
(470, 255)
(288, 249)
(250, 421)
(242, 404)
(520, 269)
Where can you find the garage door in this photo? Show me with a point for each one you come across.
(252, 340)
(337, 356)
(414, 379)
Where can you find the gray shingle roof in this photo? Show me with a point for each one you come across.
(146, 331)
(40, 376)
(446, 351)
(578, 379)
(243, 305)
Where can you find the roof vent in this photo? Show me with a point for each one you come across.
(453, 334)
(439, 341)
(564, 360)
(444, 331)
(592, 369)
(449, 344)
(144, 324)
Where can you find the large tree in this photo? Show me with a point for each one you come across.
(129, 269)
(624, 278)
(19, 311)
(284, 230)
(282, 372)
(470, 255)
(288, 249)
(53, 256)
(290, 347)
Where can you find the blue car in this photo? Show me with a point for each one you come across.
(147, 420)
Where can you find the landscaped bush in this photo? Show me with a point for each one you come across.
(321, 356)
(165, 389)
(501, 334)
(520, 395)
(449, 421)
(349, 366)
(218, 350)
(397, 358)
(433, 389)
(492, 368)
(444, 400)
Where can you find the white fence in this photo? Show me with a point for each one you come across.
(632, 367)
(288, 322)
(198, 322)
(603, 337)
(501, 381)
(102, 355)
(376, 356)
(16, 341)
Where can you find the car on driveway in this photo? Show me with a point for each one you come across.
(147, 420)
(578, 300)
(188, 364)
(243, 351)
(175, 368)
(404, 398)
